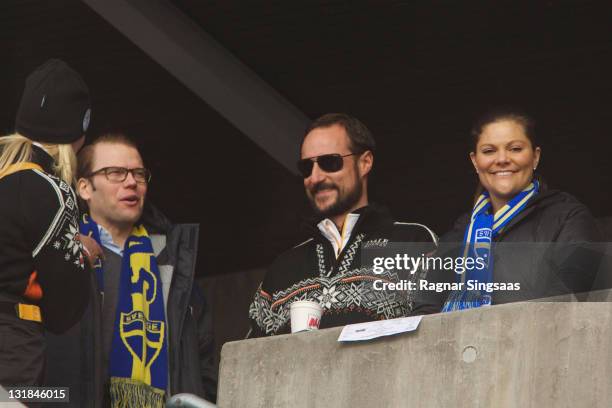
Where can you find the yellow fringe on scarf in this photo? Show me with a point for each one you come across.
(127, 393)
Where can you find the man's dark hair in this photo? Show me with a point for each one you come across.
(85, 156)
(359, 135)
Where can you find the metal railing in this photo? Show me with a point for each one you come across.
(188, 401)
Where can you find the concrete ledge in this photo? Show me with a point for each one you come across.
(513, 355)
(4, 398)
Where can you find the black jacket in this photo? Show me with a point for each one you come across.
(342, 285)
(550, 248)
(78, 355)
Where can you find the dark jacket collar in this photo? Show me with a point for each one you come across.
(42, 158)
(536, 202)
(154, 220)
(372, 217)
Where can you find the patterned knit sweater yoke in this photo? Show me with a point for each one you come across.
(342, 285)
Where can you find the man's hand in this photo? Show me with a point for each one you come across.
(92, 250)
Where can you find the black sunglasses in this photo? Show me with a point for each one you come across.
(329, 163)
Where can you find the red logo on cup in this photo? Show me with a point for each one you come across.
(313, 322)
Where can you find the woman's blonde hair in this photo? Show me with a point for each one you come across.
(16, 148)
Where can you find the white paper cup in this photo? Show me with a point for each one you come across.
(305, 315)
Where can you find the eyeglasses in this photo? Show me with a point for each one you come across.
(119, 174)
(329, 163)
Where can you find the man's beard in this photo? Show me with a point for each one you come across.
(343, 204)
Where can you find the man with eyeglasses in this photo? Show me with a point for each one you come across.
(337, 157)
(148, 333)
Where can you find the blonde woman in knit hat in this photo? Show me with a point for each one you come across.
(44, 281)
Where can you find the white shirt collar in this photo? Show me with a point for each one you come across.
(106, 239)
(336, 238)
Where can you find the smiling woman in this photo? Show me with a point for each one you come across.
(505, 159)
(541, 237)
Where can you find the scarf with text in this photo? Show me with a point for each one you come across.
(139, 357)
(479, 235)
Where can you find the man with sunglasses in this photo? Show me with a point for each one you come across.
(337, 156)
(146, 294)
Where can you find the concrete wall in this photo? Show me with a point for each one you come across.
(516, 355)
(4, 398)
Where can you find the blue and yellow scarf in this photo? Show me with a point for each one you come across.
(139, 356)
(479, 235)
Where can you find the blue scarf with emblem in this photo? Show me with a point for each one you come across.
(139, 353)
(479, 235)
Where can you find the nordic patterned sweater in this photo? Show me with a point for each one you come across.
(342, 285)
(39, 232)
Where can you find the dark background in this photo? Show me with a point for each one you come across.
(417, 73)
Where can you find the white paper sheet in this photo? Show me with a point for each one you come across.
(379, 328)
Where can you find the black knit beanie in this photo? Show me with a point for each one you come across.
(55, 106)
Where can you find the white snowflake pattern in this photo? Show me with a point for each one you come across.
(67, 257)
(328, 297)
(72, 242)
(57, 245)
